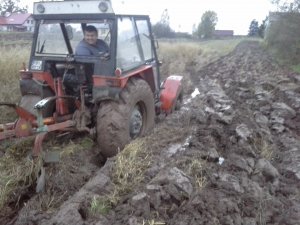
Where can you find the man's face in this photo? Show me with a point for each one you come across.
(90, 37)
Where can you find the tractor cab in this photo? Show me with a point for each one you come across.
(60, 29)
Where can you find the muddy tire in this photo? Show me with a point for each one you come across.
(131, 117)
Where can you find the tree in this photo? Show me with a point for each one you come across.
(11, 6)
(162, 29)
(253, 29)
(283, 36)
(207, 25)
(262, 27)
(287, 6)
(283, 32)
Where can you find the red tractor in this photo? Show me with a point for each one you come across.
(114, 94)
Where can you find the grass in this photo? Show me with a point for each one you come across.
(72, 147)
(263, 148)
(6, 44)
(177, 55)
(187, 58)
(296, 68)
(266, 151)
(222, 47)
(128, 173)
(284, 61)
(129, 169)
(11, 61)
(17, 172)
(196, 169)
(100, 205)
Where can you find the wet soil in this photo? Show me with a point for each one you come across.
(231, 155)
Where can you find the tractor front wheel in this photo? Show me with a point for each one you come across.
(120, 122)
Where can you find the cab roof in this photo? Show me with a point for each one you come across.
(73, 7)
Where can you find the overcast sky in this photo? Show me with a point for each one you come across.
(232, 14)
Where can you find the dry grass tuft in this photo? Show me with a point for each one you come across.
(17, 175)
(49, 200)
(129, 169)
(128, 172)
(100, 205)
(266, 151)
(66, 149)
(264, 148)
(196, 169)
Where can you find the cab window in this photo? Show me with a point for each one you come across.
(144, 34)
(50, 40)
(128, 55)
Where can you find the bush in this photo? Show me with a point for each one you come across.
(283, 36)
(162, 30)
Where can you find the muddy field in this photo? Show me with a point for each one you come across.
(230, 156)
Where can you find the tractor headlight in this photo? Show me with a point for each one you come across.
(36, 65)
(103, 6)
(40, 8)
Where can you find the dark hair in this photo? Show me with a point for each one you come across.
(90, 28)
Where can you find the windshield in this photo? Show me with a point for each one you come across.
(51, 40)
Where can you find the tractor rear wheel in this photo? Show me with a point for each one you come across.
(120, 122)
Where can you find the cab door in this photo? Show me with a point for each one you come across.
(135, 46)
(147, 46)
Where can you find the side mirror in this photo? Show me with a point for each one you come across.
(69, 30)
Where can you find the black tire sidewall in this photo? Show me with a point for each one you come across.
(113, 118)
(140, 95)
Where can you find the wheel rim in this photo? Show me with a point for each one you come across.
(136, 122)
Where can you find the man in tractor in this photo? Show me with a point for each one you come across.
(91, 45)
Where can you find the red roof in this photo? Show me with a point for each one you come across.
(14, 19)
(2, 20)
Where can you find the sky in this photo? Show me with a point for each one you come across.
(232, 14)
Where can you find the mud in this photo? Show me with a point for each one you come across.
(230, 156)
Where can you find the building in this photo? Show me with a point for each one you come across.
(223, 33)
(17, 22)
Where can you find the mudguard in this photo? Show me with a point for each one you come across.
(171, 90)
